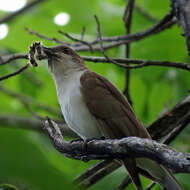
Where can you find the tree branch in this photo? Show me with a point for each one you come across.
(89, 171)
(10, 16)
(46, 38)
(145, 13)
(21, 122)
(8, 58)
(139, 63)
(127, 18)
(28, 100)
(167, 21)
(119, 149)
(14, 73)
(77, 40)
(182, 12)
(173, 119)
(116, 41)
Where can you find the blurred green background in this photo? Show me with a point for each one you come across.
(27, 158)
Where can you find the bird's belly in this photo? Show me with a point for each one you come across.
(78, 117)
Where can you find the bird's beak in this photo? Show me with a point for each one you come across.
(50, 52)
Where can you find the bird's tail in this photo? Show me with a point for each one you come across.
(161, 174)
(170, 182)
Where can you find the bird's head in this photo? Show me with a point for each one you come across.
(62, 59)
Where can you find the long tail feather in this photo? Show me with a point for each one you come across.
(161, 174)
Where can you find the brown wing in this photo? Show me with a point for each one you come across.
(114, 114)
(111, 109)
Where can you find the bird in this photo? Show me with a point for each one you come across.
(93, 108)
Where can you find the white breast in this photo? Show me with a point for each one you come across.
(74, 109)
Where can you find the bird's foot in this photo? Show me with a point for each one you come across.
(76, 140)
(85, 146)
(86, 141)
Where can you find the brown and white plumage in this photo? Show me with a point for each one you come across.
(93, 107)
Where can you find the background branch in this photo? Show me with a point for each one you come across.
(21, 122)
(182, 12)
(127, 18)
(14, 73)
(11, 16)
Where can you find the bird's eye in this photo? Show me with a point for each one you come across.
(67, 50)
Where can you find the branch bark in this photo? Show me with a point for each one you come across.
(173, 119)
(119, 148)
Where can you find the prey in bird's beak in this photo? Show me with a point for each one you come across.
(59, 57)
(39, 52)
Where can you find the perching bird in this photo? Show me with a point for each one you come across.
(93, 107)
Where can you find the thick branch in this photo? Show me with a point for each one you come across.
(122, 148)
(175, 118)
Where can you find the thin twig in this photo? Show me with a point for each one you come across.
(101, 164)
(101, 43)
(47, 38)
(127, 18)
(20, 122)
(140, 63)
(116, 41)
(8, 58)
(182, 12)
(30, 76)
(77, 40)
(29, 101)
(167, 21)
(99, 175)
(83, 32)
(146, 14)
(14, 73)
(11, 16)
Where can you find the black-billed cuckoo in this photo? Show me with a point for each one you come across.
(93, 107)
